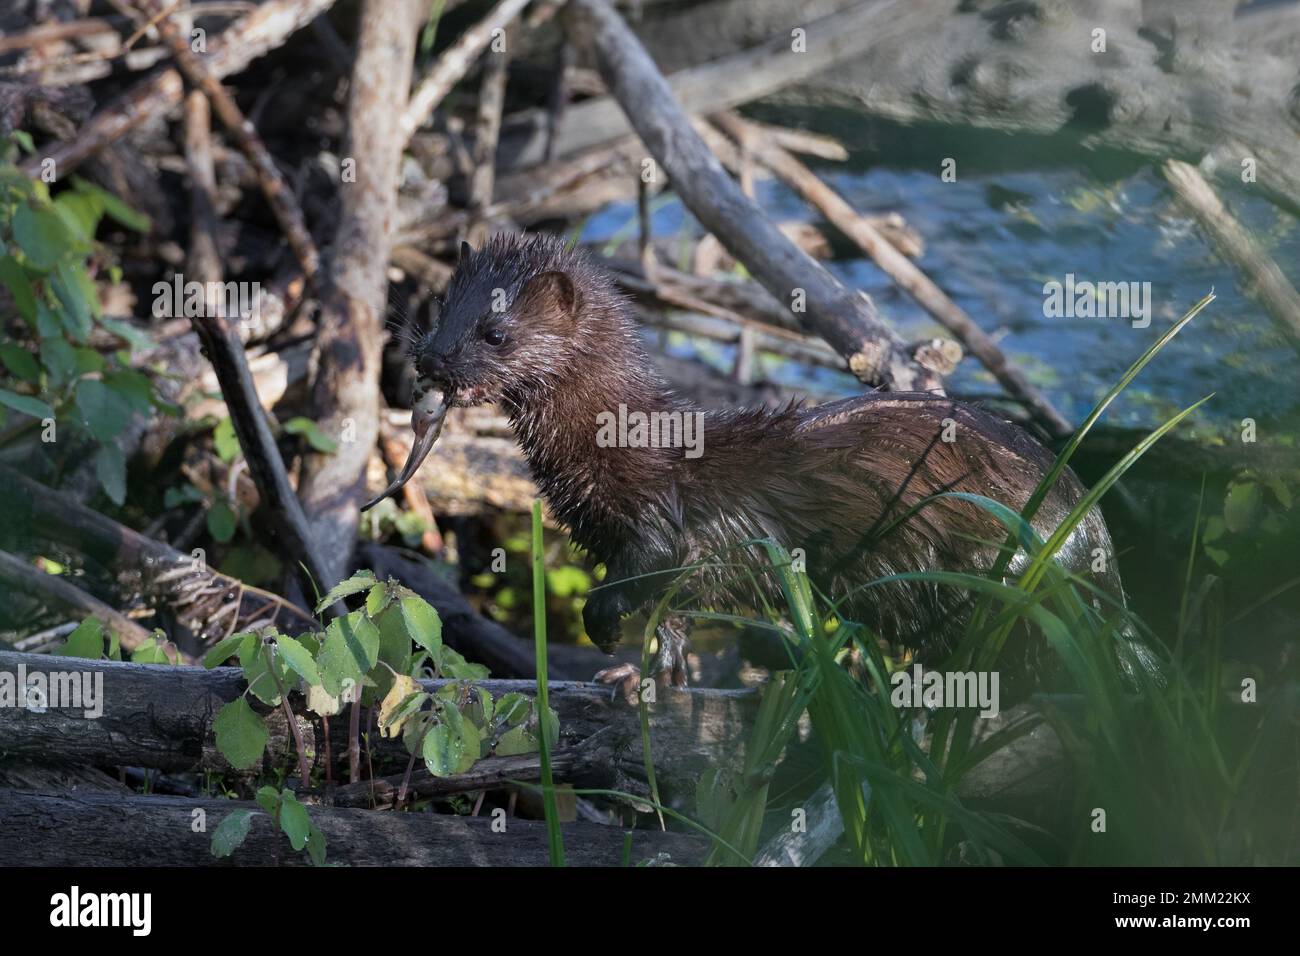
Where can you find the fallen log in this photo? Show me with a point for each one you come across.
(205, 601)
(212, 604)
(51, 828)
(23, 578)
(162, 717)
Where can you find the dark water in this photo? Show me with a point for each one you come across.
(1024, 211)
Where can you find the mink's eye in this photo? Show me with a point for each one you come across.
(494, 336)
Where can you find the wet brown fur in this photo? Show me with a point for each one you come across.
(835, 480)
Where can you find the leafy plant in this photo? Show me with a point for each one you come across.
(289, 814)
(51, 370)
(87, 640)
(377, 654)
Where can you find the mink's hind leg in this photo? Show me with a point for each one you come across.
(669, 666)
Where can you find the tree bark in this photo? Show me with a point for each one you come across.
(162, 717)
(346, 387)
(105, 829)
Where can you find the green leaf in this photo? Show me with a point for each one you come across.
(48, 323)
(294, 820)
(134, 387)
(136, 339)
(25, 404)
(513, 708)
(41, 234)
(454, 666)
(316, 846)
(86, 641)
(253, 564)
(361, 581)
(231, 832)
(76, 293)
(309, 430)
(110, 469)
(225, 440)
(226, 649)
(150, 652)
(59, 359)
(20, 362)
(377, 600)
(117, 210)
(257, 666)
(104, 412)
(451, 745)
(241, 734)
(181, 495)
(268, 798)
(351, 648)
(568, 581)
(1240, 505)
(298, 658)
(394, 644)
(80, 213)
(87, 361)
(14, 278)
(516, 740)
(221, 521)
(1280, 491)
(423, 624)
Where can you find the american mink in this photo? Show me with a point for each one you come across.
(541, 330)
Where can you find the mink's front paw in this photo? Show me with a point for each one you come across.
(602, 617)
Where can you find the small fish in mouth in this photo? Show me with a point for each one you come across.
(428, 411)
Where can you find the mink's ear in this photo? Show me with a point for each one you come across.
(551, 292)
(465, 250)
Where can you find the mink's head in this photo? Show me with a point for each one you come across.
(510, 322)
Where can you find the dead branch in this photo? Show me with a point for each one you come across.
(1262, 279)
(277, 192)
(200, 597)
(26, 579)
(263, 30)
(452, 65)
(491, 103)
(897, 266)
(848, 322)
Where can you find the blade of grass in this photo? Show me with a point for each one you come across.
(556, 841)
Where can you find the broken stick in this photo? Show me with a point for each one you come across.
(847, 321)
